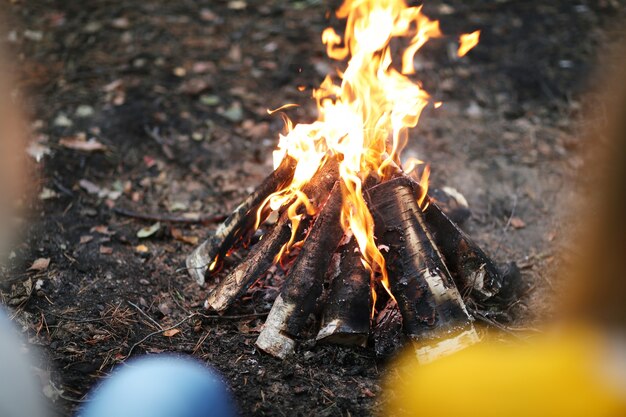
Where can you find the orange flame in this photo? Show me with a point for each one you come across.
(364, 114)
(467, 42)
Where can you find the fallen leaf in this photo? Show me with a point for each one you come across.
(106, 250)
(37, 151)
(209, 100)
(178, 235)
(120, 23)
(77, 144)
(171, 332)
(40, 264)
(102, 229)
(194, 86)
(142, 249)
(85, 239)
(89, 186)
(145, 232)
(203, 67)
(84, 110)
(517, 223)
(113, 85)
(208, 15)
(237, 5)
(234, 113)
(62, 121)
(47, 194)
(367, 392)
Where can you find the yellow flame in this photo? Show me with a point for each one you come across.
(467, 42)
(364, 113)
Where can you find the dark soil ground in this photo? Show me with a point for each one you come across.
(177, 92)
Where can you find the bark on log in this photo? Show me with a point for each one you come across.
(346, 317)
(433, 313)
(451, 202)
(387, 332)
(239, 223)
(262, 255)
(473, 271)
(304, 282)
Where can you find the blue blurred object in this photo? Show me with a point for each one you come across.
(20, 394)
(161, 386)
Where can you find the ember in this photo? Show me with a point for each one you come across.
(341, 192)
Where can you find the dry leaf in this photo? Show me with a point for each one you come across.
(89, 186)
(141, 248)
(178, 235)
(171, 332)
(40, 264)
(195, 86)
(105, 250)
(102, 229)
(517, 223)
(37, 151)
(85, 239)
(145, 232)
(75, 143)
(47, 194)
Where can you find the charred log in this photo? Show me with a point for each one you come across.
(304, 282)
(433, 313)
(346, 313)
(387, 334)
(262, 255)
(451, 202)
(474, 272)
(239, 223)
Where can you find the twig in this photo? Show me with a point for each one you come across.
(235, 317)
(506, 226)
(154, 134)
(477, 314)
(168, 218)
(143, 313)
(149, 335)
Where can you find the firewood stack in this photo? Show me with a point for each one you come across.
(432, 265)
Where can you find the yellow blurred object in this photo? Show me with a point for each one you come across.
(569, 375)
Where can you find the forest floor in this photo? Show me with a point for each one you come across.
(174, 95)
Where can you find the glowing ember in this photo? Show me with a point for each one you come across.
(364, 114)
(467, 42)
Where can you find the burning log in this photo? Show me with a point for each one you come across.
(304, 282)
(473, 270)
(262, 255)
(433, 313)
(239, 223)
(387, 333)
(346, 313)
(451, 202)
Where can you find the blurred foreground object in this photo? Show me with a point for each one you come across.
(19, 392)
(161, 386)
(12, 157)
(571, 375)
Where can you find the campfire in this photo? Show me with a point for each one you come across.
(361, 239)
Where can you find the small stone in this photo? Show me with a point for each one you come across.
(517, 223)
(33, 35)
(234, 113)
(62, 121)
(84, 111)
(237, 5)
(92, 27)
(209, 100)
